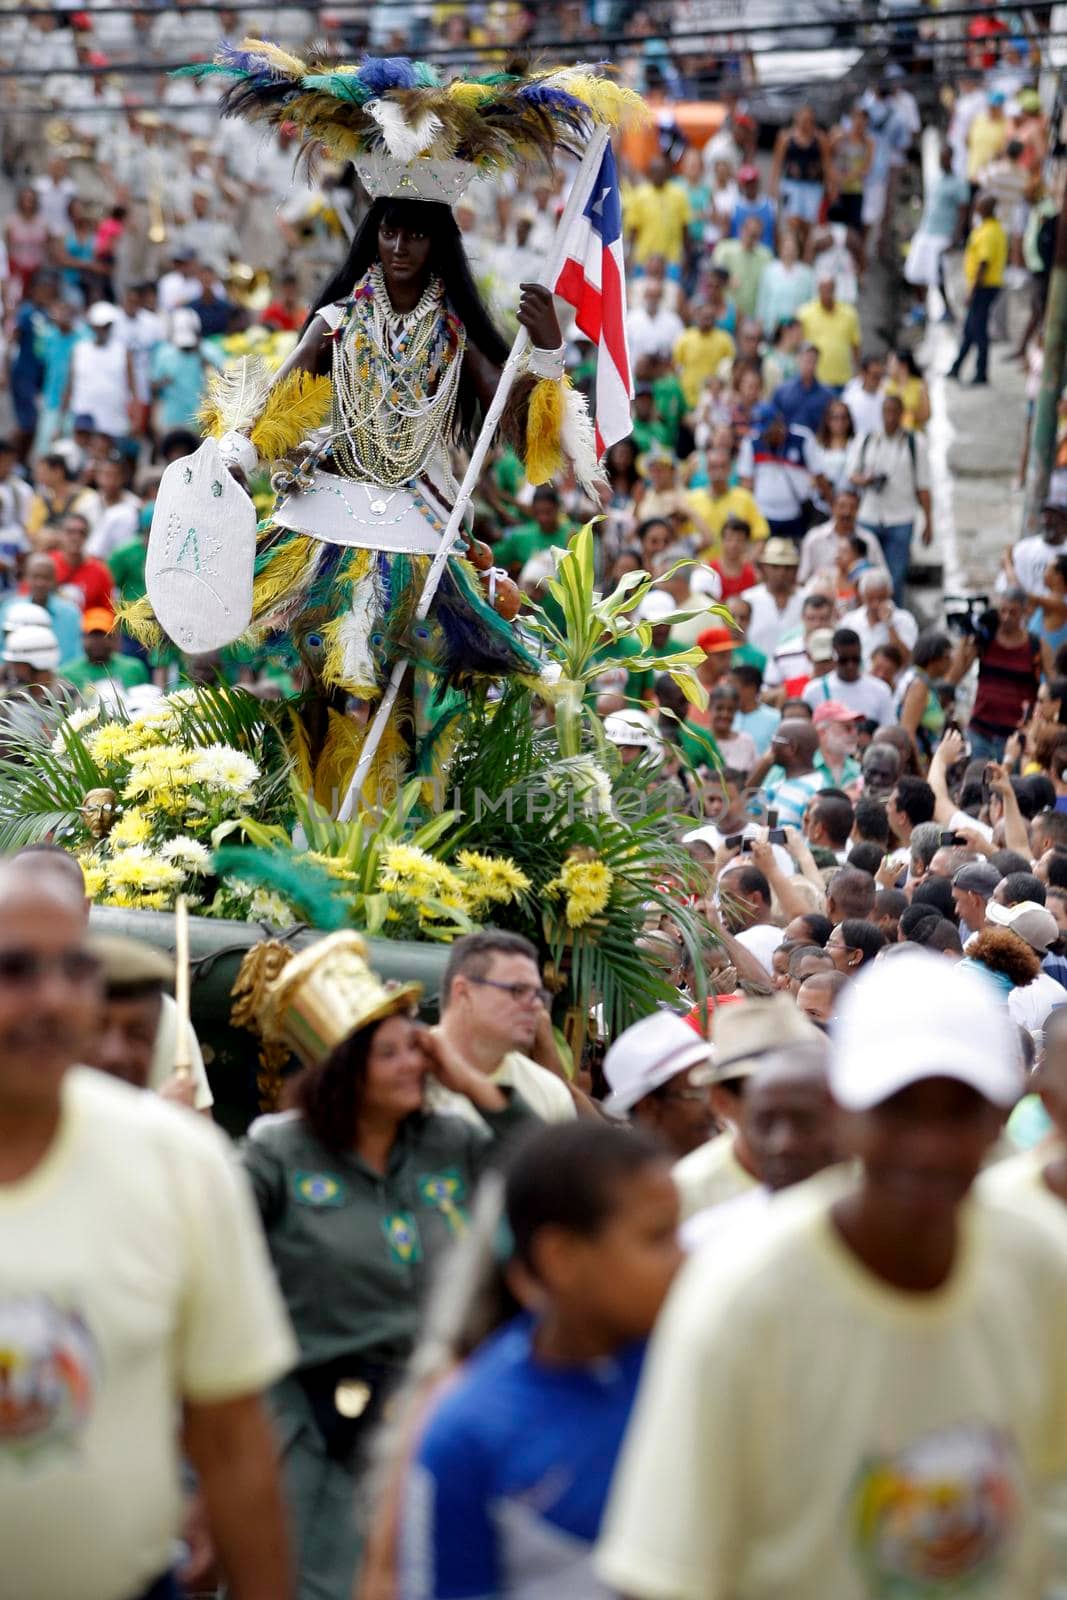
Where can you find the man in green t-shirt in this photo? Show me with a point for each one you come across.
(545, 529)
(102, 660)
(647, 427)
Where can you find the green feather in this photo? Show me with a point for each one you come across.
(344, 86)
(306, 886)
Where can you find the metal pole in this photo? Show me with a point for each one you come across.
(1046, 411)
(576, 202)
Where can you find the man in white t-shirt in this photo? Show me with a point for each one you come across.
(867, 1397)
(849, 685)
(790, 1132)
(743, 1035)
(139, 1317)
(877, 620)
(776, 603)
(1025, 563)
(746, 899)
(863, 395)
(1032, 923)
(494, 1013)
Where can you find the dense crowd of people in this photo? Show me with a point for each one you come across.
(824, 1187)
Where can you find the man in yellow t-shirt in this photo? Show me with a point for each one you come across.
(984, 261)
(139, 1315)
(866, 1394)
(656, 215)
(718, 501)
(833, 327)
(700, 351)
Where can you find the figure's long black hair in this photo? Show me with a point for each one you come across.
(449, 260)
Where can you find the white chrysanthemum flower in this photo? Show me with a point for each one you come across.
(266, 906)
(84, 717)
(187, 853)
(229, 771)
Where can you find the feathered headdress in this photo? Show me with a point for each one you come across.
(406, 131)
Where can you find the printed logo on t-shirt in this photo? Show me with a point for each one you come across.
(49, 1371)
(938, 1517)
(318, 1189)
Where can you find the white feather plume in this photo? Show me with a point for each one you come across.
(578, 439)
(354, 634)
(239, 393)
(403, 139)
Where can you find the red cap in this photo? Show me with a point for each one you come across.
(712, 640)
(834, 711)
(748, 173)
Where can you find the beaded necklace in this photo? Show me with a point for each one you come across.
(395, 383)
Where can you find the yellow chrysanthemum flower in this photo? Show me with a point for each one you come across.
(115, 741)
(133, 827)
(135, 900)
(413, 874)
(587, 886)
(95, 875)
(332, 864)
(491, 880)
(160, 769)
(138, 869)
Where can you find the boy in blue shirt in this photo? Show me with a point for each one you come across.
(512, 1473)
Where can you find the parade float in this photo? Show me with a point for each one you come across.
(536, 826)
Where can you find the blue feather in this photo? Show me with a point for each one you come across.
(379, 74)
(233, 59)
(553, 99)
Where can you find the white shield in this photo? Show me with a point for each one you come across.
(201, 553)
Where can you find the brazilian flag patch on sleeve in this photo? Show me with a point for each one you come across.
(320, 1189)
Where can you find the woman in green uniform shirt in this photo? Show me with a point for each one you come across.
(361, 1192)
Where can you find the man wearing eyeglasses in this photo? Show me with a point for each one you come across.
(495, 1014)
(135, 1297)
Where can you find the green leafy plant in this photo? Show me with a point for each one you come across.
(587, 643)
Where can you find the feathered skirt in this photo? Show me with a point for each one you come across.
(350, 614)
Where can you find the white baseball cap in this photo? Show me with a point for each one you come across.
(25, 614)
(185, 328)
(1028, 920)
(102, 314)
(37, 646)
(655, 605)
(633, 728)
(918, 1017)
(647, 1055)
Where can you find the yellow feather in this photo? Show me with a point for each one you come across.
(469, 94)
(340, 754)
(281, 575)
(276, 55)
(299, 747)
(295, 407)
(139, 621)
(544, 426)
(607, 100)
